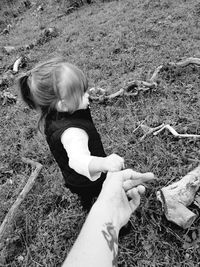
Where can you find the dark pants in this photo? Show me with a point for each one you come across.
(88, 194)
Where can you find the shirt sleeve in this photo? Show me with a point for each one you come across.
(75, 142)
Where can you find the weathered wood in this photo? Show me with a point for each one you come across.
(133, 87)
(7, 222)
(16, 64)
(176, 197)
(156, 130)
(174, 132)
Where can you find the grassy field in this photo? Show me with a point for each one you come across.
(113, 42)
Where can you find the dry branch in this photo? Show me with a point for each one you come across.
(17, 64)
(149, 130)
(133, 87)
(156, 130)
(6, 224)
(186, 62)
(174, 132)
(176, 197)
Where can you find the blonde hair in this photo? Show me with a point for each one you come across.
(50, 82)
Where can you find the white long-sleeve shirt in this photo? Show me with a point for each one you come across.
(75, 142)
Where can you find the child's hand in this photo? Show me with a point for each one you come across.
(113, 163)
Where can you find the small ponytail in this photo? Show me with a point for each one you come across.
(26, 91)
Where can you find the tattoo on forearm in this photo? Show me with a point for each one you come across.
(112, 240)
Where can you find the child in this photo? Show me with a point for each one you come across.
(59, 91)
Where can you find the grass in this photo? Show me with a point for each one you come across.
(113, 42)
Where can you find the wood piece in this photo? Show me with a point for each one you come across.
(176, 197)
(16, 64)
(7, 222)
(174, 132)
(197, 200)
(186, 62)
(155, 74)
(145, 85)
(149, 130)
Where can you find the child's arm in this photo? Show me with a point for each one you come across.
(75, 142)
(110, 163)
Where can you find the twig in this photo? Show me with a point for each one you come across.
(149, 130)
(174, 132)
(141, 123)
(5, 226)
(16, 64)
(155, 74)
(134, 87)
(187, 61)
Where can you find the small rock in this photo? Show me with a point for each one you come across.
(40, 8)
(187, 256)
(20, 258)
(9, 49)
(27, 3)
(169, 17)
(29, 46)
(7, 29)
(51, 32)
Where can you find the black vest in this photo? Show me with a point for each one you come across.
(55, 124)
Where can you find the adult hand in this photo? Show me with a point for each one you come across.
(121, 193)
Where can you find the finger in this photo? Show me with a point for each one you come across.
(122, 165)
(140, 189)
(136, 178)
(135, 200)
(127, 174)
(131, 174)
(129, 184)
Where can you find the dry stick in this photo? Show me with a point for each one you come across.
(174, 132)
(16, 64)
(155, 74)
(156, 130)
(176, 197)
(5, 226)
(187, 61)
(149, 130)
(144, 85)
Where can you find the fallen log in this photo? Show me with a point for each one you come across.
(175, 199)
(7, 222)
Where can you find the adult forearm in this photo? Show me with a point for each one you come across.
(97, 244)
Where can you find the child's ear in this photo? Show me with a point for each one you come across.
(62, 106)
